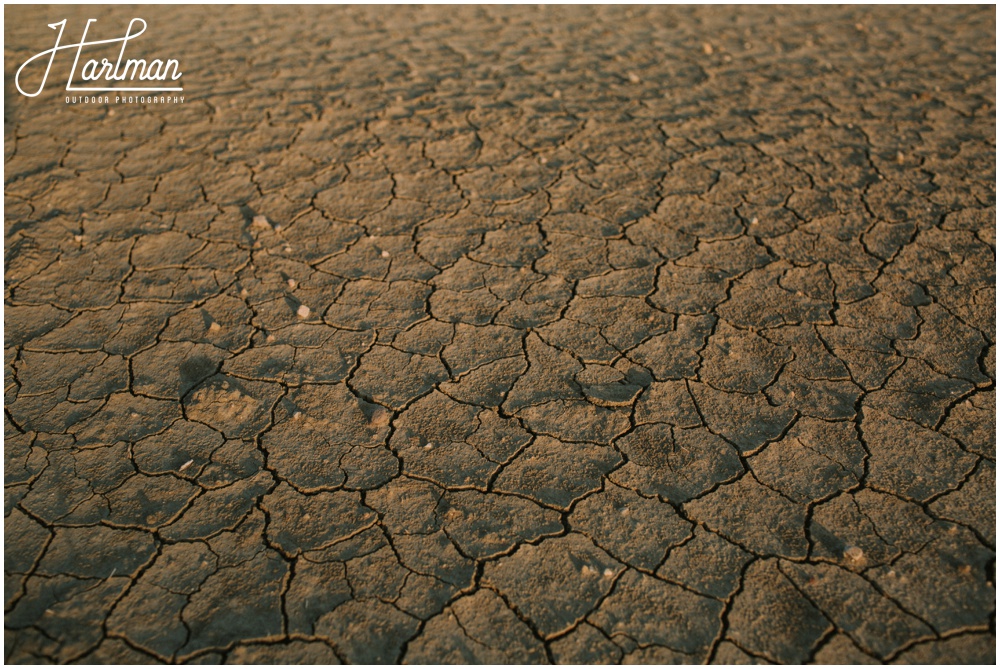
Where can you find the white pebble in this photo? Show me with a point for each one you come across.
(302, 311)
(854, 553)
(292, 284)
(428, 446)
(288, 249)
(296, 415)
(754, 221)
(185, 465)
(261, 222)
(608, 573)
(385, 254)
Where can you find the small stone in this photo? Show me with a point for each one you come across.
(754, 221)
(608, 573)
(260, 222)
(244, 292)
(707, 48)
(634, 78)
(214, 327)
(296, 415)
(78, 238)
(288, 249)
(185, 465)
(270, 339)
(380, 418)
(854, 553)
(292, 284)
(385, 254)
(302, 311)
(428, 446)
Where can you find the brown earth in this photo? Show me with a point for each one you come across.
(567, 335)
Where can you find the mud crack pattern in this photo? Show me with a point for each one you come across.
(507, 335)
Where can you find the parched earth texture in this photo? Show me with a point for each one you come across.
(594, 334)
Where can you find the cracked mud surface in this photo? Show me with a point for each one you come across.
(567, 335)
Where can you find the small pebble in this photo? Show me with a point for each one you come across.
(78, 238)
(214, 327)
(260, 222)
(243, 292)
(625, 511)
(608, 573)
(302, 311)
(586, 570)
(380, 418)
(185, 465)
(707, 48)
(297, 415)
(428, 446)
(270, 339)
(385, 254)
(854, 553)
(288, 249)
(292, 284)
(633, 77)
(754, 221)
